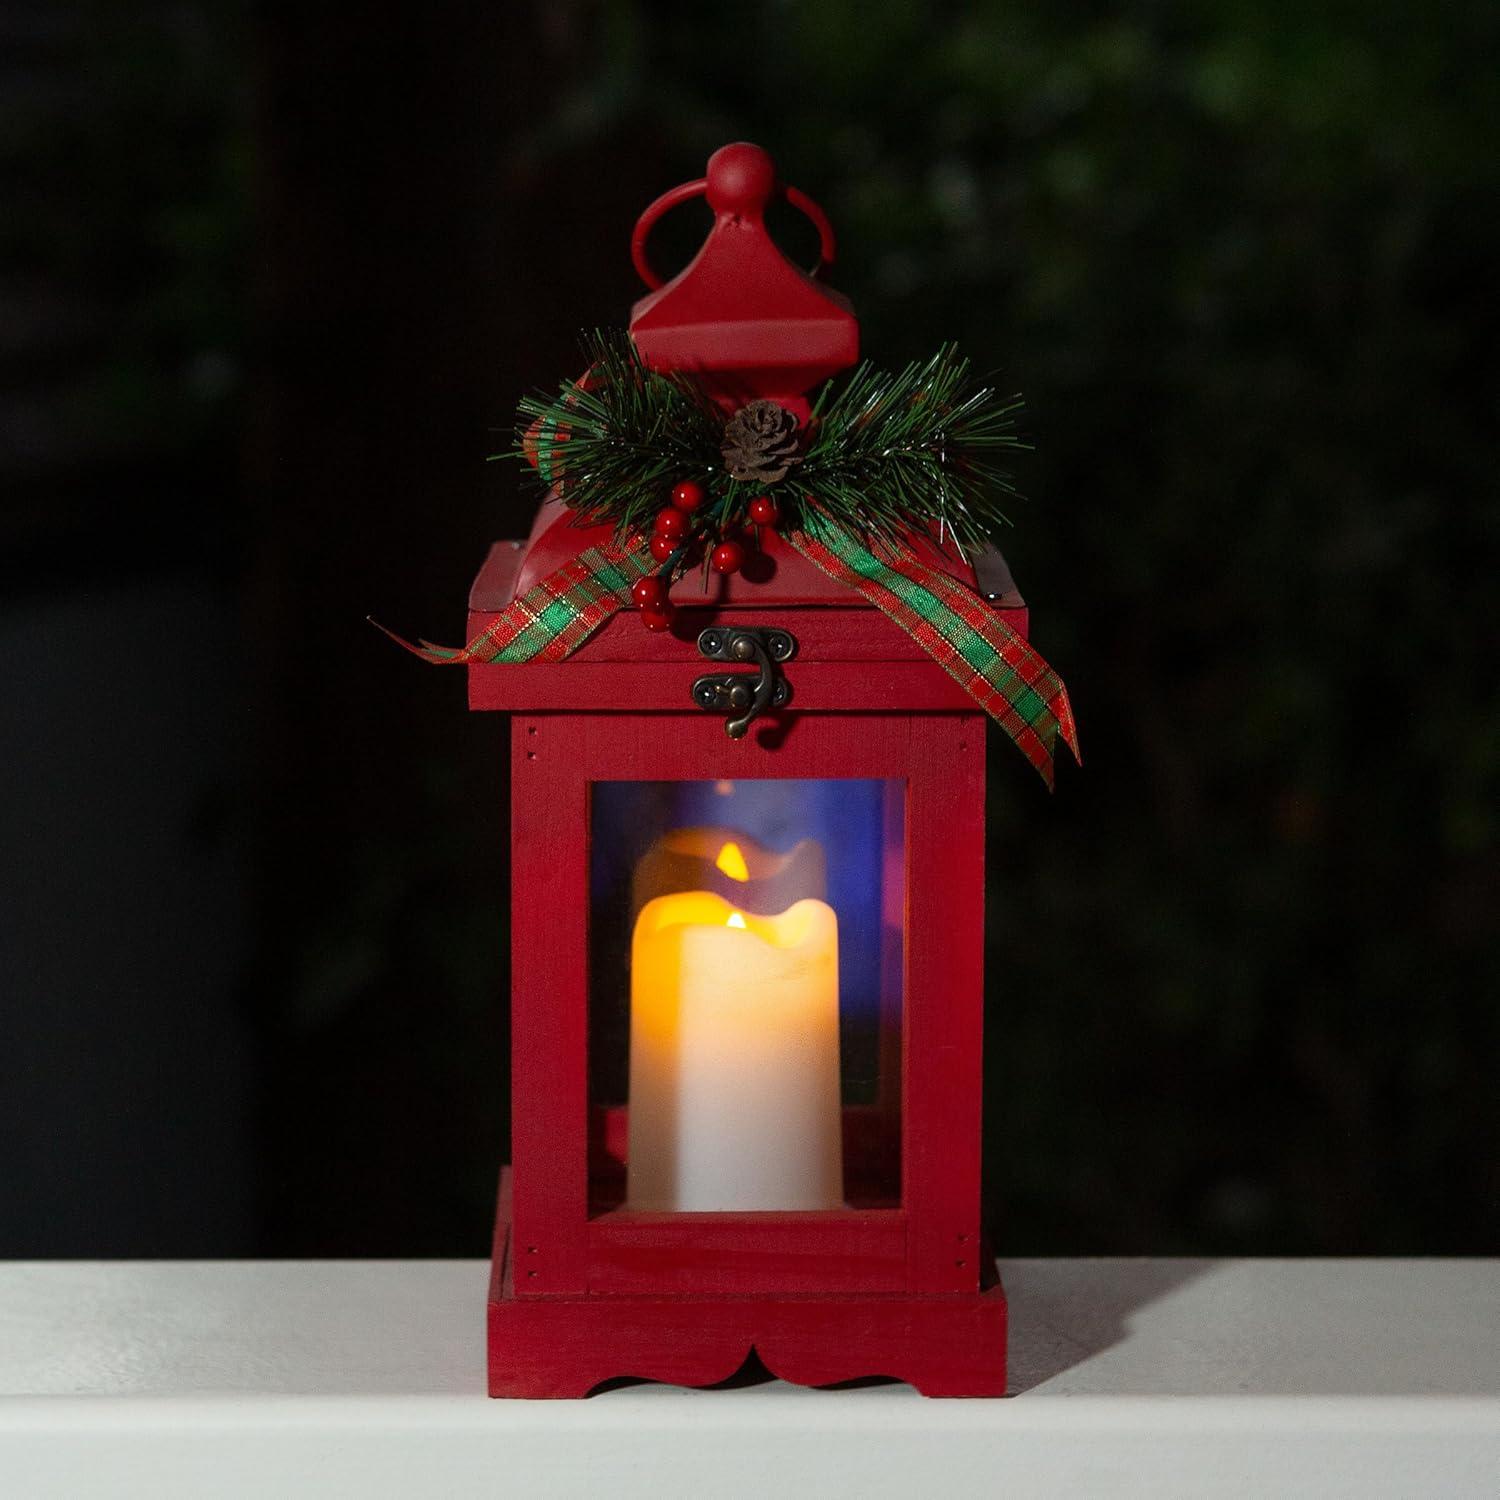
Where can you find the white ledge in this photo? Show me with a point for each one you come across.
(1160, 1377)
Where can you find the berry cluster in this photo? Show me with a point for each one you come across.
(675, 533)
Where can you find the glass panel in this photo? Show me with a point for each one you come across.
(745, 962)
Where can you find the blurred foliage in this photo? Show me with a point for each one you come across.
(1243, 973)
(125, 154)
(1241, 258)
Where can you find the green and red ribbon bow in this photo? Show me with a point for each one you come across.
(553, 618)
(995, 665)
(1004, 674)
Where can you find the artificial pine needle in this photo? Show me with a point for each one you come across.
(886, 455)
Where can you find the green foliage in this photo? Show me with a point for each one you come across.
(624, 436)
(891, 452)
(123, 147)
(1241, 258)
(886, 454)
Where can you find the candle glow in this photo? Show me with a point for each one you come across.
(731, 861)
(734, 1057)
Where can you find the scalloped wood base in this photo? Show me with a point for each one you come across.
(948, 1344)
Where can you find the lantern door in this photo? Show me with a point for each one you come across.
(747, 1002)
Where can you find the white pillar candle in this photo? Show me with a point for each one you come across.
(734, 1057)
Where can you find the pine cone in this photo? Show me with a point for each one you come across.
(760, 443)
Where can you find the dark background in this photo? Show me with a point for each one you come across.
(272, 280)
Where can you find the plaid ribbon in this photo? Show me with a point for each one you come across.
(1004, 674)
(996, 666)
(553, 618)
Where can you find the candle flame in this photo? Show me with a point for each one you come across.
(735, 920)
(732, 862)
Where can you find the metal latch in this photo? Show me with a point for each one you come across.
(741, 695)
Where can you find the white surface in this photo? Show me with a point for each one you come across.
(1160, 1378)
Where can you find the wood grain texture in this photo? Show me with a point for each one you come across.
(945, 1007)
(560, 1347)
(854, 1250)
(641, 687)
(821, 1297)
(549, 1004)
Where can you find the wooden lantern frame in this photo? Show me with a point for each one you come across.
(821, 1297)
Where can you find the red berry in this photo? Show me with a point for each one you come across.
(763, 511)
(662, 547)
(687, 495)
(671, 523)
(649, 592)
(728, 557)
(658, 618)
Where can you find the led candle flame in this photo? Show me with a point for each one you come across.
(728, 861)
(731, 861)
(734, 1057)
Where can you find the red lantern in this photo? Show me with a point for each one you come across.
(748, 967)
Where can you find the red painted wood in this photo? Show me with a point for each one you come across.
(904, 1291)
(741, 315)
(544, 1347)
(494, 585)
(857, 1251)
(944, 1036)
(882, 1132)
(549, 1050)
(726, 183)
(941, 760)
(821, 686)
(866, 705)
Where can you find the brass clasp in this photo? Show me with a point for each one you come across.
(741, 695)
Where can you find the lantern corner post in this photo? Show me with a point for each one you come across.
(944, 1036)
(544, 1204)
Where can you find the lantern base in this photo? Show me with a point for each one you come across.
(944, 1344)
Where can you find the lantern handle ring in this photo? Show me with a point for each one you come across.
(747, 203)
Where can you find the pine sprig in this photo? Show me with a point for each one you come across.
(630, 434)
(886, 454)
(893, 453)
